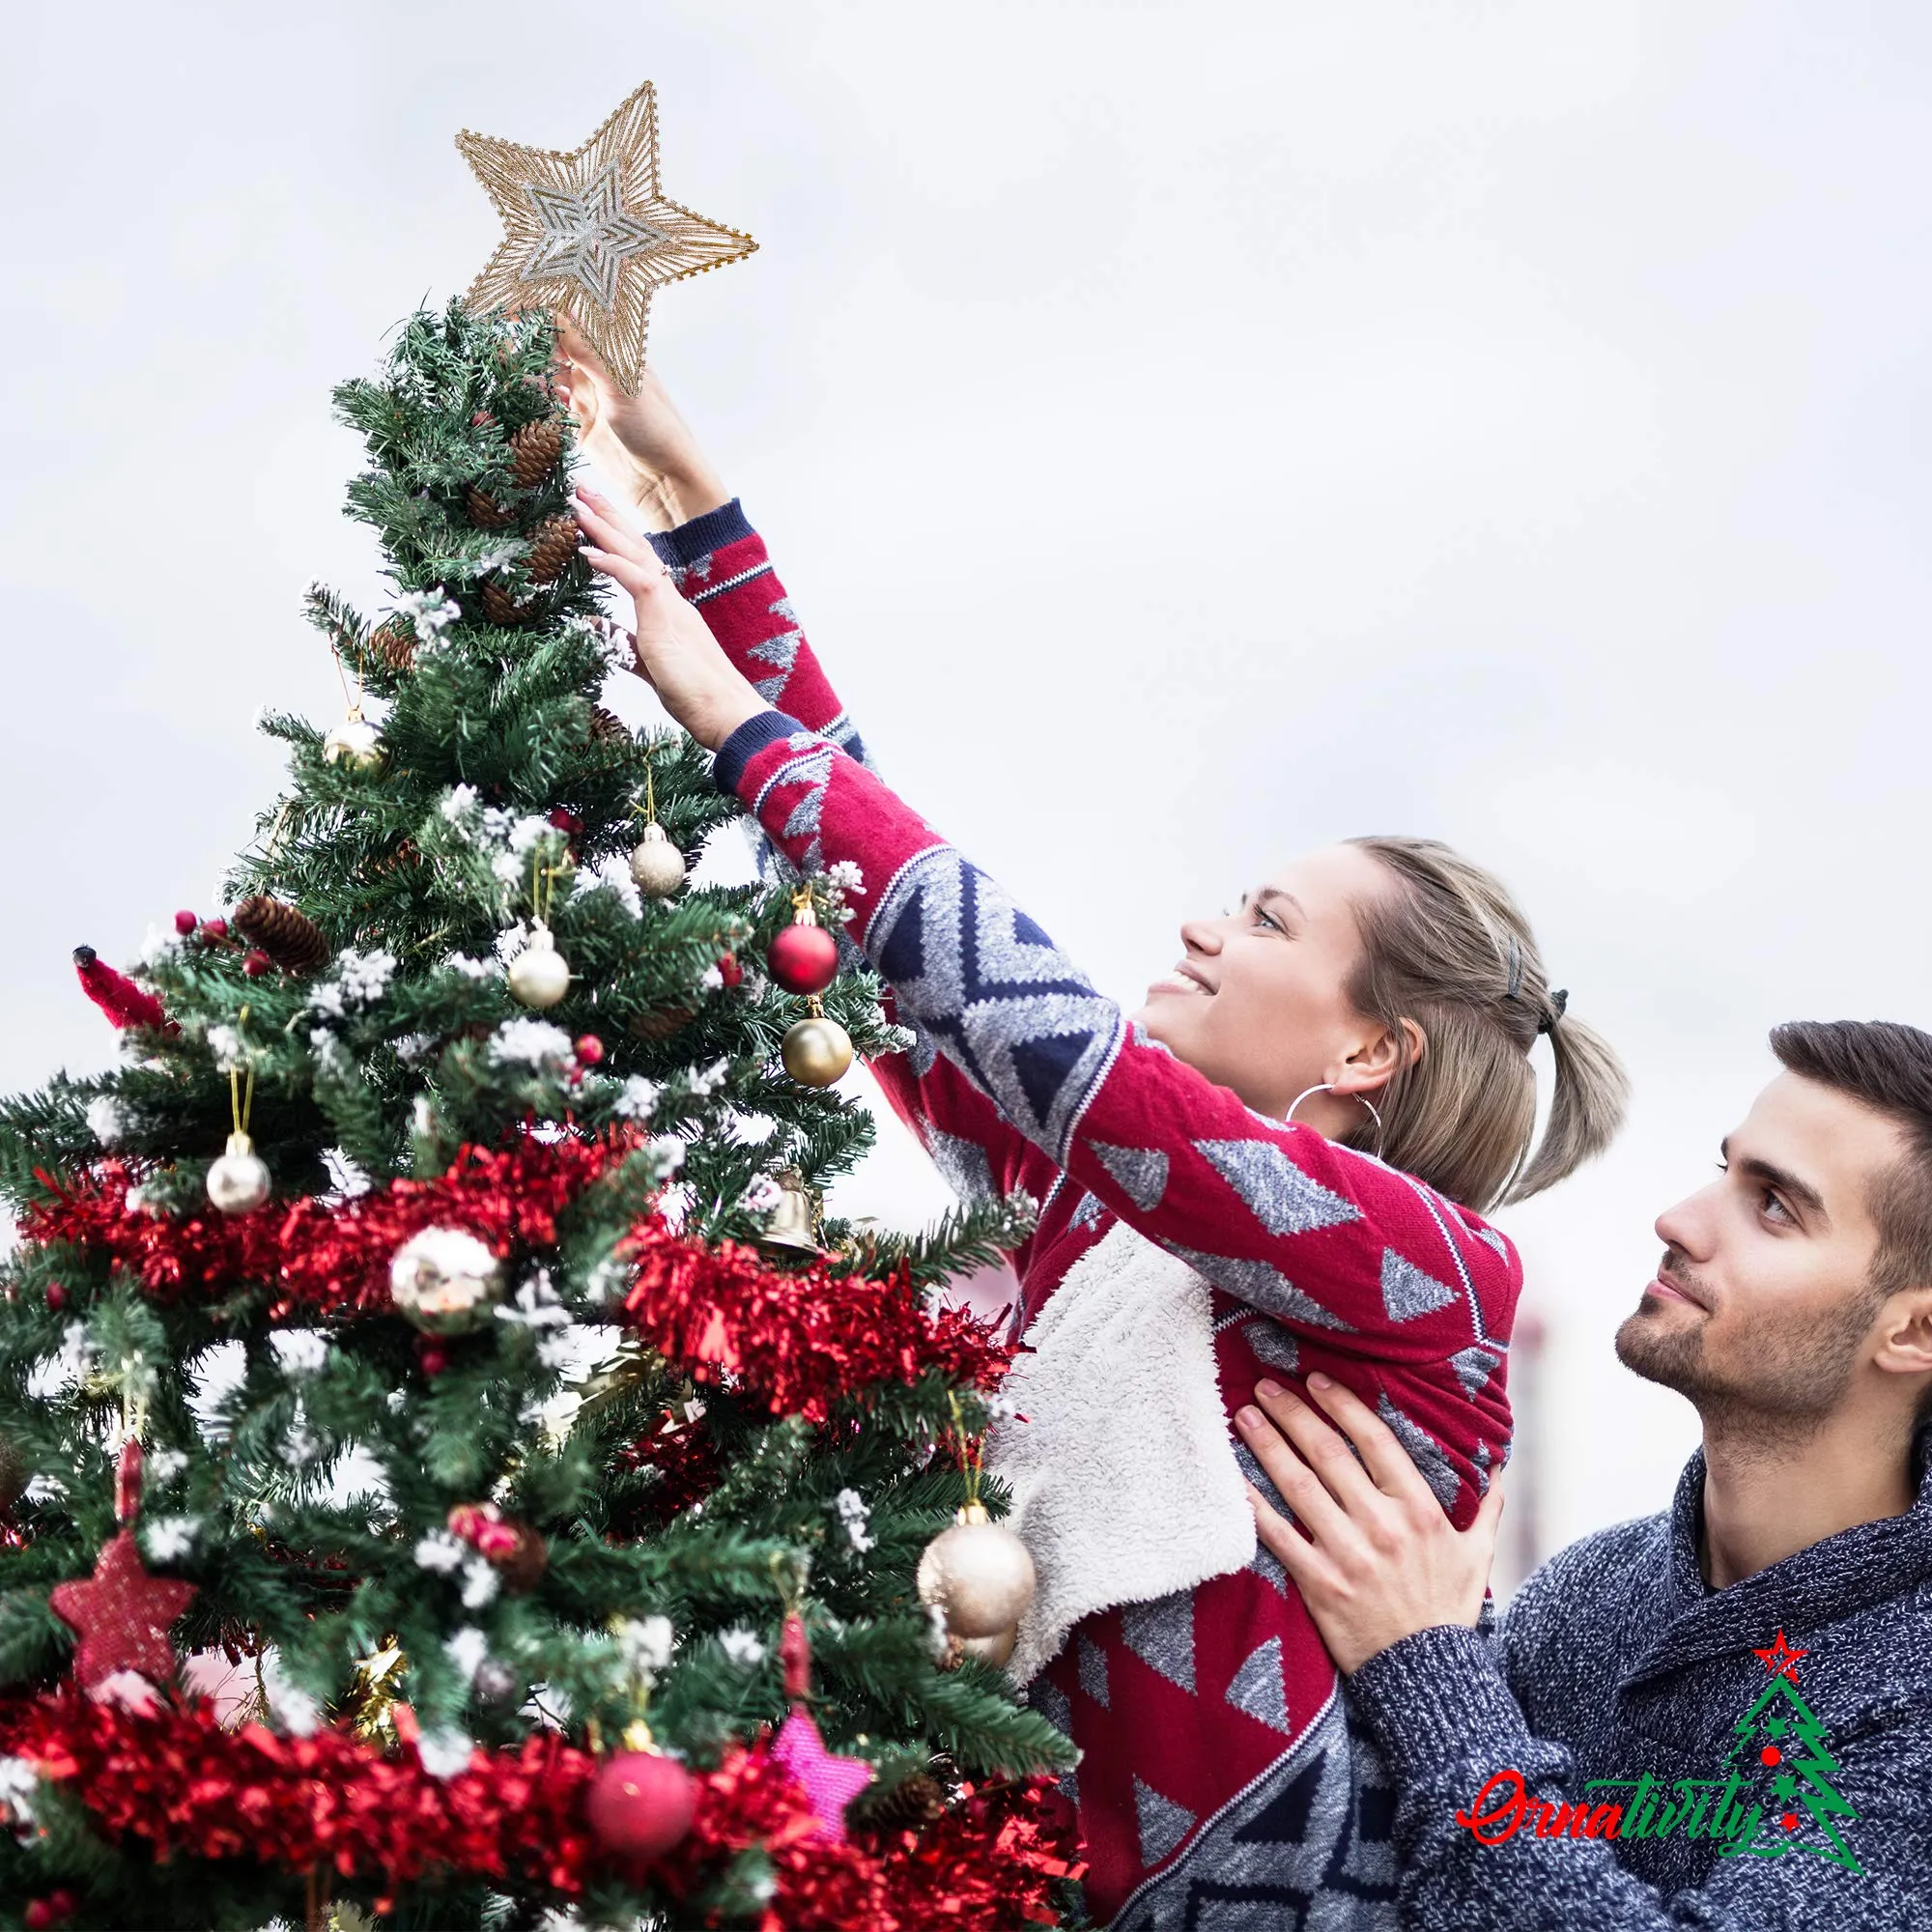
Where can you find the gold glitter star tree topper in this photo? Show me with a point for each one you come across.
(592, 233)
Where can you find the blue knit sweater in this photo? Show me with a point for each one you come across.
(1615, 1660)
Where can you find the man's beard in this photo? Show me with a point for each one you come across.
(1783, 1377)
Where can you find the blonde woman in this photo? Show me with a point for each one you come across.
(1277, 1165)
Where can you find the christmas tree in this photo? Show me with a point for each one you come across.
(431, 1324)
(1781, 1754)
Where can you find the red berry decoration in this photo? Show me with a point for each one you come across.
(641, 1804)
(62, 1901)
(803, 959)
(186, 923)
(40, 1914)
(56, 1296)
(729, 971)
(214, 929)
(257, 963)
(431, 1358)
(590, 1050)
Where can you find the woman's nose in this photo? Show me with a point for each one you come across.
(1201, 935)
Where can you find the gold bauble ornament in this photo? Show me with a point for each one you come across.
(978, 1574)
(238, 1184)
(445, 1281)
(993, 1650)
(354, 743)
(656, 864)
(539, 975)
(817, 1051)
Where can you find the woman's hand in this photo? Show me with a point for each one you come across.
(677, 656)
(1380, 1560)
(640, 442)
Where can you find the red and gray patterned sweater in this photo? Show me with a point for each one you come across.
(1221, 1783)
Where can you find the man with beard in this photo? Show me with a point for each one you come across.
(1606, 1755)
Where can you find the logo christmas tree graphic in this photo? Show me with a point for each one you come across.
(1781, 1750)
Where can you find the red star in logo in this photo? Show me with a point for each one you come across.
(1780, 1657)
(123, 1616)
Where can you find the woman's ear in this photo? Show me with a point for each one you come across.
(1374, 1063)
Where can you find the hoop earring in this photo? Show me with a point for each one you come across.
(1328, 1087)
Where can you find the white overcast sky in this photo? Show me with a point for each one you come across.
(1191, 433)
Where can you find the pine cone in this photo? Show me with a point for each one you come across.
(290, 938)
(607, 727)
(535, 450)
(395, 644)
(500, 608)
(485, 511)
(553, 546)
(406, 853)
(913, 1802)
(662, 1025)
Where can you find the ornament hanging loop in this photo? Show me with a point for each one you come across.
(128, 1475)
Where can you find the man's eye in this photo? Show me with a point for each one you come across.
(1776, 1208)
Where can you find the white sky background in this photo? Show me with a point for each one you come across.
(1190, 434)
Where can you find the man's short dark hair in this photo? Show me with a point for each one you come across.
(1888, 1067)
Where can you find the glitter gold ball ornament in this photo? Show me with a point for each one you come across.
(978, 1574)
(656, 864)
(817, 1051)
(354, 744)
(539, 975)
(238, 1184)
(639, 1804)
(445, 1281)
(592, 233)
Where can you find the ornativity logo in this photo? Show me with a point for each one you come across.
(1776, 1795)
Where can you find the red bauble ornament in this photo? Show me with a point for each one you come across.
(256, 964)
(729, 971)
(186, 923)
(123, 1616)
(590, 1050)
(640, 1803)
(432, 1359)
(56, 1296)
(803, 959)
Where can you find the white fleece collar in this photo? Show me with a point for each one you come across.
(1123, 1477)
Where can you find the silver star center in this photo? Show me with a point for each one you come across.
(588, 236)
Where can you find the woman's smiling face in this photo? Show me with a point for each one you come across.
(1259, 999)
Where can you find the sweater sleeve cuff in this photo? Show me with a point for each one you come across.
(746, 743)
(1436, 1698)
(699, 537)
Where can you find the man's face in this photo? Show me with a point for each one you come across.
(1762, 1305)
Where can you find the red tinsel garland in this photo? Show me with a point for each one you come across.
(171, 1777)
(331, 1258)
(799, 1342)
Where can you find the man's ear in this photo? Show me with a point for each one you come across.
(1374, 1063)
(1905, 1334)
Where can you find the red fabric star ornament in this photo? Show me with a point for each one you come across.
(123, 1616)
(1780, 1657)
(830, 1783)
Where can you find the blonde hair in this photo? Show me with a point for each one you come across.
(1449, 950)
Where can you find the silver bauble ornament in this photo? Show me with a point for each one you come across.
(977, 1575)
(445, 1281)
(817, 1051)
(354, 743)
(539, 975)
(238, 1184)
(657, 864)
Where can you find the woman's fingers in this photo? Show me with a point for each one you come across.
(623, 570)
(610, 536)
(576, 345)
(1391, 1465)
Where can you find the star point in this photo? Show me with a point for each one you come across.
(592, 233)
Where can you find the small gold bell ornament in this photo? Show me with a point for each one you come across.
(238, 1184)
(356, 744)
(816, 1051)
(980, 1577)
(539, 975)
(792, 1222)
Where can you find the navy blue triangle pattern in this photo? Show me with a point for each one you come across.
(1007, 1006)
(1308, 1844)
